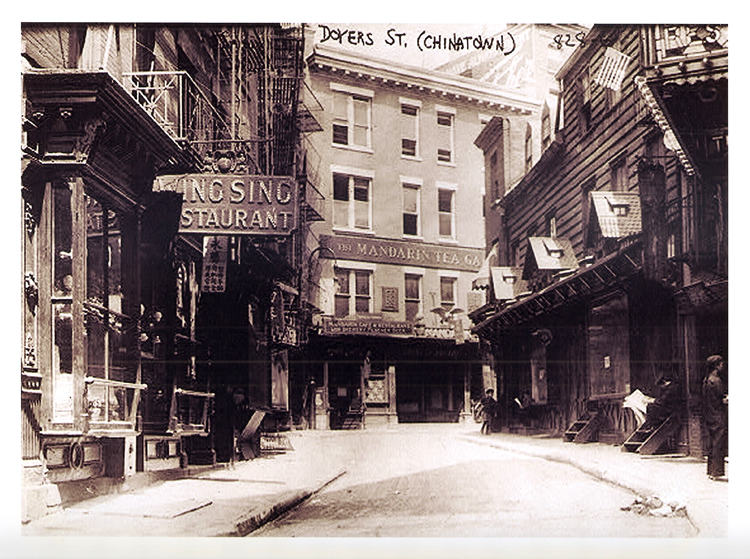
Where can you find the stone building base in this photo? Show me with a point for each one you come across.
(38, 496)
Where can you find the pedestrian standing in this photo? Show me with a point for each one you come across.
(487, 404)
(715, 415)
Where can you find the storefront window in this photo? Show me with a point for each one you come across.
(62, 289)
(108, 330)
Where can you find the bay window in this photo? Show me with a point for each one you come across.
(93, 333)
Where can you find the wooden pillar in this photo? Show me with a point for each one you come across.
(467, 388)
(390, 376)
(692, 382)
(321, 403)
(466, 413)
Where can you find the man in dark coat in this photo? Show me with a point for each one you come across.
(487, 405)
(715, 416)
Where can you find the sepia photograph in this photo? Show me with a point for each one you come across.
(310, 284)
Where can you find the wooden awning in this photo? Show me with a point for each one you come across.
(585, 281)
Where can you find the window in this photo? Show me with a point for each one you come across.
(107, 327)
(673, 239)
(445, 212)
(88, 322)
(551, 225)
(412, 295)
(62, 288)
(528, 149)
(546, 128)
(351, 201)
(586, 189)
(447, 293)
(515, 253)
(445, 135)
(584, 99)
(618, 175)
(354, 293)
(410, 128)
(613, 96)
(351, 116)
(497, 176)
(411, 208)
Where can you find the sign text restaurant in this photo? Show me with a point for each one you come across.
(234, 204)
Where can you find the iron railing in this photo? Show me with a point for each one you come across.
(177, 104)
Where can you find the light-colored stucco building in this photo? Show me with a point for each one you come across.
(402, 236)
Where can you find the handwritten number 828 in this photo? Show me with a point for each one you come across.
(568, 40)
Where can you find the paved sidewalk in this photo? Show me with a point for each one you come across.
(222, 501)
(234, 501)
(671, 478)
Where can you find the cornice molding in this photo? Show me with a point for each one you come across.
(416, 81)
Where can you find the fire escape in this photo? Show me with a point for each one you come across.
(248, 120)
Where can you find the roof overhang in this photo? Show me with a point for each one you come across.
(55, 90)
(585, 282)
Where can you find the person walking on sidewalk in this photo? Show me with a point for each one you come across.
(715, 416)
(487, 405)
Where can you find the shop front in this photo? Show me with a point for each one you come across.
(89, 158)
(375, 373)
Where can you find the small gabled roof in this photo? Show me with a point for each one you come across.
(508, 283)
(482, 279)
(549, 254)
(618, 213)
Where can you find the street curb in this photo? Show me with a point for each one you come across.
(563, 459)
(603, 475)
(256, 518)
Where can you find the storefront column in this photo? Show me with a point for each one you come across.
(691, 380)
(466, 413)
(488, 377)
(390, 379)
(321, 403)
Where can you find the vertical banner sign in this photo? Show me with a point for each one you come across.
(214, 264)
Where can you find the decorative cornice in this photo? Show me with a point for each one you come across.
(373, 71)
(671, 139)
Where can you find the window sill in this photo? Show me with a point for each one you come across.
(368, 232)
(412, 158)
(361, 149)
(447, 163)
(448, 241)
(413, 237)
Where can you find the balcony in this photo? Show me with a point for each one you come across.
(177, 104)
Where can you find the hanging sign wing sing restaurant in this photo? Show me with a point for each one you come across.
(216, 204)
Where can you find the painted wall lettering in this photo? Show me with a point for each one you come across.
(403, 252)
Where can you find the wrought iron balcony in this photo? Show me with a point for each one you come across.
(177, 104)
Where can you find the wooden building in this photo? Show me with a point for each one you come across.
(619, 233)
